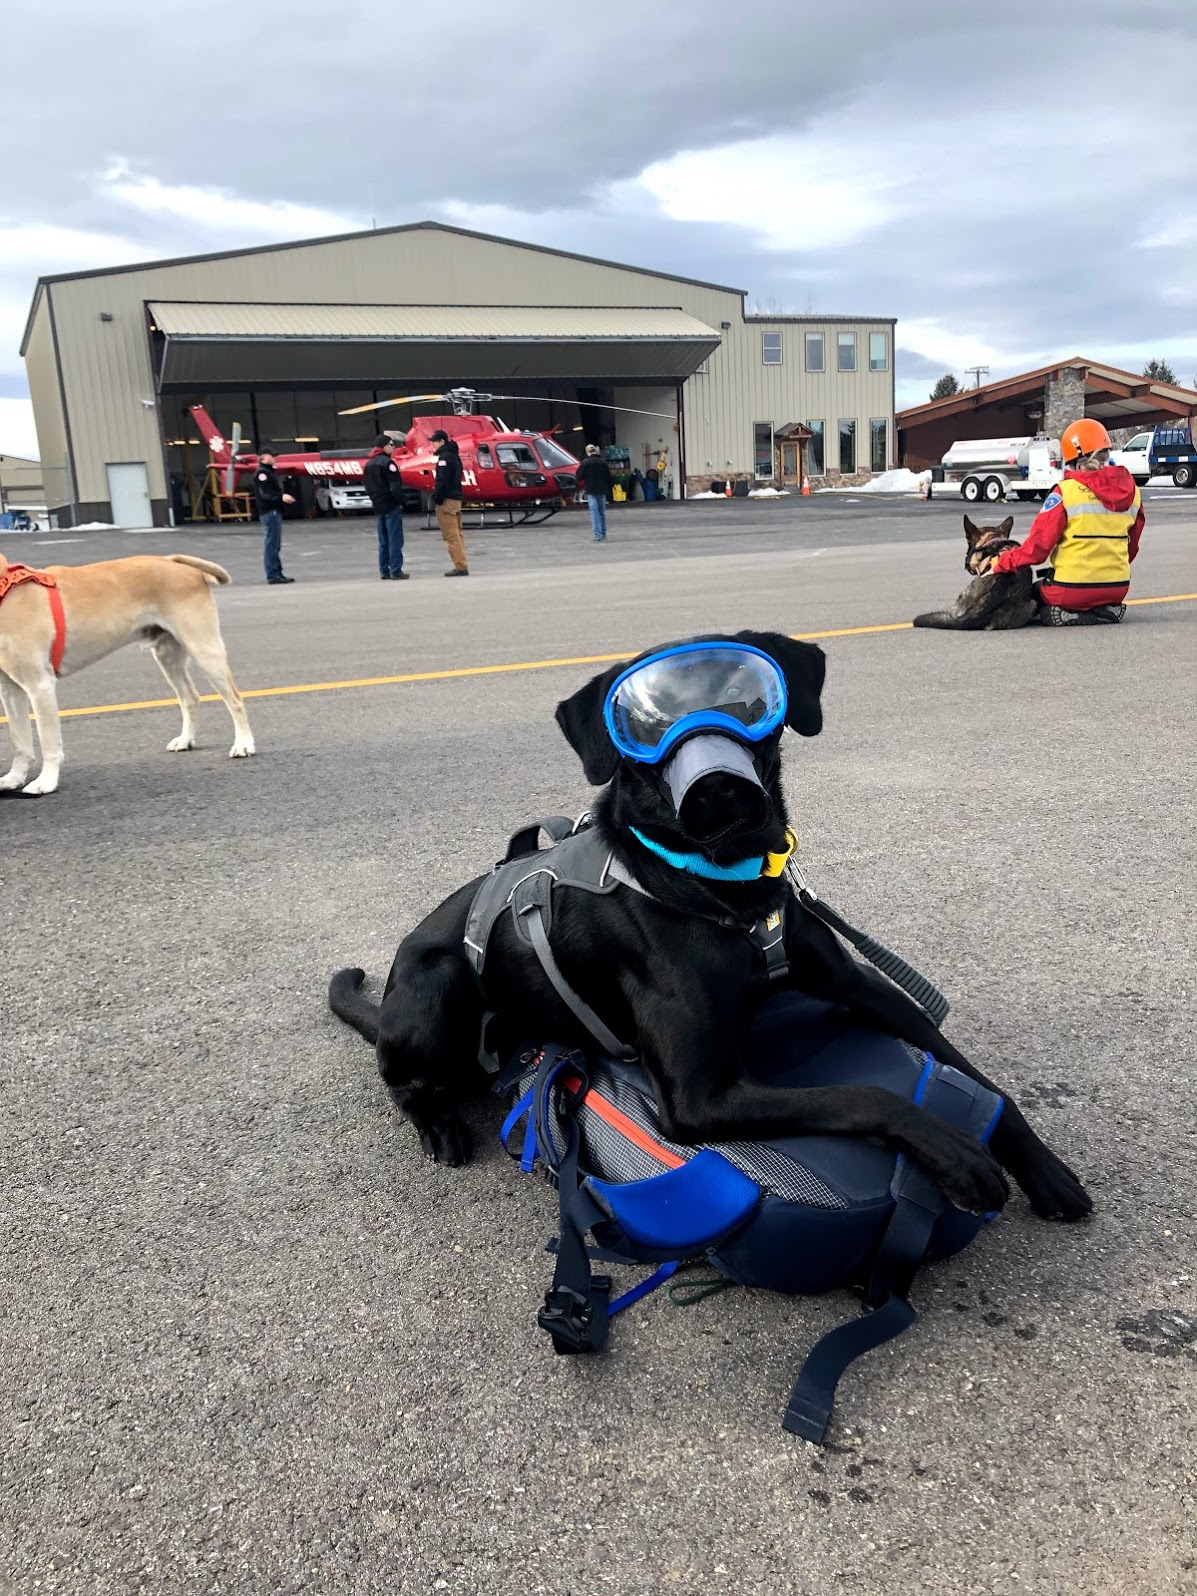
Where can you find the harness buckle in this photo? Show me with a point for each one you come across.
(797, 879)
(570, 1318)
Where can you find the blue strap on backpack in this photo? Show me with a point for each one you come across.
(797, 1214)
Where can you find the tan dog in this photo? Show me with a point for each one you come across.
(163, 601)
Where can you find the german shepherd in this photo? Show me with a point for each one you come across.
(989, 603)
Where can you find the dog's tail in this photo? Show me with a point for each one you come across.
(941, 621)
(347, 1003)
(216, 574)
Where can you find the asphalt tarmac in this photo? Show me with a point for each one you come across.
(253, 1342)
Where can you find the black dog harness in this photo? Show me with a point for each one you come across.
(525, 879)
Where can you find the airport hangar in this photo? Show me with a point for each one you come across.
(283, 338)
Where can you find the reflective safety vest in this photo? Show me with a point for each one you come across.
(1095, 548)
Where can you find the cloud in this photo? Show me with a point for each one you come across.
(18, 435)
(220, 210)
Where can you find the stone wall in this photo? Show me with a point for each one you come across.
(1063, 399)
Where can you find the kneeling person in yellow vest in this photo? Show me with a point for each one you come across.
(1088, 530)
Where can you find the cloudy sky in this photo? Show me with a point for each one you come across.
(1016, 182)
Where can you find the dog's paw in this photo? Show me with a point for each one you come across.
(41, 787)
(180, 744)
(446, 1141)
(14, 780)
(971, 1178)
(242, 748)
(1053, 1191)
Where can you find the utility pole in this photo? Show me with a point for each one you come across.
(977, 372)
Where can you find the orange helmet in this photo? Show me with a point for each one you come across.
(1083, 437)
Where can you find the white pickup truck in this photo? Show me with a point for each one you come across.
(1135, 456)
(992, 469)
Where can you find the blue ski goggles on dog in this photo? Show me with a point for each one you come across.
(712, 687)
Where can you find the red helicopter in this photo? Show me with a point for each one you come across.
(524, 472)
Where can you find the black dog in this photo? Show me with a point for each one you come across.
(672, 968)
(992, 603)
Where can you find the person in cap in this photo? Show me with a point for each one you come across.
(1088, 531)
(446, 496)
(594, 478)
(383, 481)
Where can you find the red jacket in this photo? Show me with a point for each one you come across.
(1115, 487)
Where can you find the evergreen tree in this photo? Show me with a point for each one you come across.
(946, 386)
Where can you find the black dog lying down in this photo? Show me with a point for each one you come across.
(998, 603)
(672, 966)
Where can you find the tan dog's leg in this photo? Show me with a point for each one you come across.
(16, 707)
(197, 629)
(44, 698)
(172, 662)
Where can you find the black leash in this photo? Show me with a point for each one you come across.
(924, 992)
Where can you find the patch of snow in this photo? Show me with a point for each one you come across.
(707, 495)
(898, 481)
(94, 526)
(767, 493)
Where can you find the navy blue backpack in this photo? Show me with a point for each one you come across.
(801, 1214)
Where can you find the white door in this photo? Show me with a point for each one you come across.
(129, 490)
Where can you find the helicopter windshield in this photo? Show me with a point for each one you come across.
(515, 454)
(553, 456)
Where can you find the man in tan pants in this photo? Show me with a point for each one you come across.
(446, 496)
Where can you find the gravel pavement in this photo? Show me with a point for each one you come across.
(254, 1343)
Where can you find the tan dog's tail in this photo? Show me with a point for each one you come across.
(216, 574)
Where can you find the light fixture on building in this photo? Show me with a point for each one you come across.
(726, 325)
(106, 315)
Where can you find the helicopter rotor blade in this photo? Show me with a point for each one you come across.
(585, 404)
(381, 404)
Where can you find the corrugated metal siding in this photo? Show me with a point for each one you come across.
(107, 366)
(738, 390)
(42, 371)
(217, 320)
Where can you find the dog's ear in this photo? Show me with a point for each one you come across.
(804, 667)
(580, 717)
(971, 532)
(1007, 526)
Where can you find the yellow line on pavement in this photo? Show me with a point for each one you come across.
(497, 670)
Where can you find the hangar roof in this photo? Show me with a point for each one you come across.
(342, 238)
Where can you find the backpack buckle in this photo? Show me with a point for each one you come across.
(576, 1323)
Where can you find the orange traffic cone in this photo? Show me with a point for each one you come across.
(806, 487)
(727, 492)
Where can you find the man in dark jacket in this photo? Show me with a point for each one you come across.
(384, 483)
(446, 495)
(269, 499)
(594, 478)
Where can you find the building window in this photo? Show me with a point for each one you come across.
(846, 347)
(814, 448)
(814, 351)
(847, 448)
(878, 352)
(878, 444)
(762, 450)
(770, 349)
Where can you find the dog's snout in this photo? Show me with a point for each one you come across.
(719, 803)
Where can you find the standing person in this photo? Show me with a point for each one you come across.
(594, 474)
(1088, 530)
(383, 482)
(446, 495)
(269, 499)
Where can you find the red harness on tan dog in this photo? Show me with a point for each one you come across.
(13, 577)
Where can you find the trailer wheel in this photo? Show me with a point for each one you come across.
(992, 490)
(1185, 476)
(971, 490)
